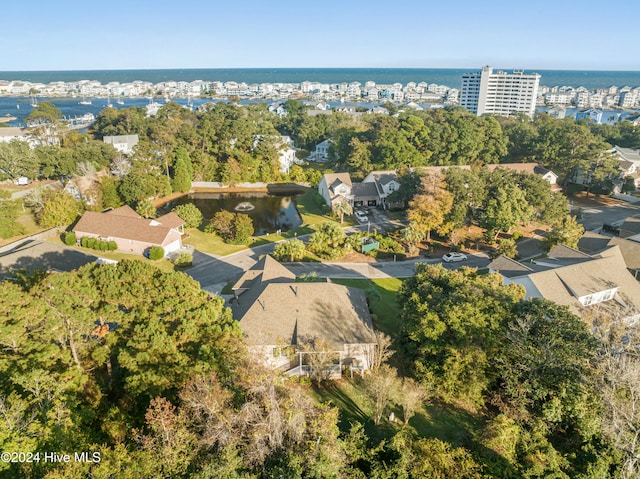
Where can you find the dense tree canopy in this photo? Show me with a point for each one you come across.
(76, 368)
(531, 362)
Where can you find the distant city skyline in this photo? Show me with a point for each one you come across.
(74, 35)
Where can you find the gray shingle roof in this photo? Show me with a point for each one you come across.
(508, 267)
(365, 190)
(277, 310)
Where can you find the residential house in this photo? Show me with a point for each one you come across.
(590, 114)
(558, 112)
(286, 151)
(279, 109)
(366, 194)
(280, 318)
(321, 152)
(386, 182)
(630, 227)
(10, 133)
(132, 233)
(335, 188)
(585, 284)
(594, 243)
(629, 159)
(380, 110)
(123, 143)
(531, 168)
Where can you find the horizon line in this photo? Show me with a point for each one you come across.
(307, 68)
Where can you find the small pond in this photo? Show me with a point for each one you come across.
(269, 212)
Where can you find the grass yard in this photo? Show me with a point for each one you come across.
(30, 227)
(209, 242)
(432, 419)
(310, 209)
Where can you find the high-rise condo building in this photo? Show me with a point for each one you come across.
(499, 93)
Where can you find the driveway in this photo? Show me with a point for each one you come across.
(45, 256)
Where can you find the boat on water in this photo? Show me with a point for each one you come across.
(34, 101)
(84, 101)
(120, 101)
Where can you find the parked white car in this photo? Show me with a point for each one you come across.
(361, 217)
(454, 257)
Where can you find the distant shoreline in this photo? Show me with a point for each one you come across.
(443, 76)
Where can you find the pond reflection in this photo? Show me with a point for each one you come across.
(268, 212)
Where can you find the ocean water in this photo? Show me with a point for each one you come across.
(441, 76)
(20, 107)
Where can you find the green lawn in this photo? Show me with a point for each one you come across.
(209, 242)
(310, 209)
(432, 419)
(30, 227)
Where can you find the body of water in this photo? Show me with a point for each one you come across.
(451, 77)
(18, 108)
(269, 212)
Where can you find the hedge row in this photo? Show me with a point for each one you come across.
(97, 244)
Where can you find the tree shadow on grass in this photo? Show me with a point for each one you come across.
(447, 423)
(350, 411)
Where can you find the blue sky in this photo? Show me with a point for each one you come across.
(93, 35)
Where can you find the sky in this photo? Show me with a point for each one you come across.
(143, 34)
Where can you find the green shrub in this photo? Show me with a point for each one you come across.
(113, 246)
(183, 260)
(91, 243)
(209, 228)
(69, 238)
(83, 242)
(156, 252)
(243, 229)
(516, 236)
(103, 245)
(190, 213)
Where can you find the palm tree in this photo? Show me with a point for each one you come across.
(412, 236)
(342, 208)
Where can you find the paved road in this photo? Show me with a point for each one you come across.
(593, 217)
(213, 273)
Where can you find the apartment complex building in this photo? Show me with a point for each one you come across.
(499, 93)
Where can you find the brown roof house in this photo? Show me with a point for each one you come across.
(131, 232)
(281, 318)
